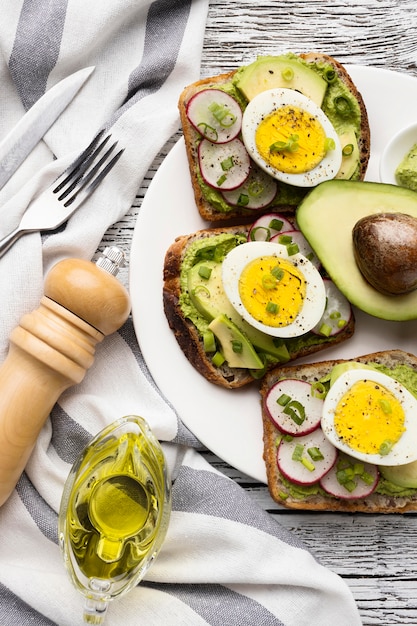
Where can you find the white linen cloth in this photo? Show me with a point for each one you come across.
(225, 561)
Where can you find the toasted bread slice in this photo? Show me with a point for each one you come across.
(286, 199)
(374, 503)
(191, 341)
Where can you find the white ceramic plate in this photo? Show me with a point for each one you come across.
(229, 422)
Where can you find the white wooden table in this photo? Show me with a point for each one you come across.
(376, 554)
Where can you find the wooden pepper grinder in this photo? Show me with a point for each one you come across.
(51, 350)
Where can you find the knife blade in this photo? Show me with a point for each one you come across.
(24, 136)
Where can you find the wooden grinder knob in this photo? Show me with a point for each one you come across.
(51, 350)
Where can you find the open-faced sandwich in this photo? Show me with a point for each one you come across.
(243, 299)
(341, 435)
(259, 137)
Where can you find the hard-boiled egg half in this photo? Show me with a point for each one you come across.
(371, 417)
(291, 138)
(279, 293)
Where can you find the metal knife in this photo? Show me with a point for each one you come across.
(23, 137)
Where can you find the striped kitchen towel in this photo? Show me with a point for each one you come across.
(225, 561)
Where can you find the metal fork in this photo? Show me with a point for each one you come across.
(57, 203)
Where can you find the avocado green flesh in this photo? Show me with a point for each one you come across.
(327, 216)
(236, 348)
(351, 123)
(271, 72)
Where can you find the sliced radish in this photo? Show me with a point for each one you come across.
(258, 190)
(292, 407)
(266, 226)
(350, 479)
(337, 314)
(306, 471)
(215, 114)
(223, 166)
(296, 236)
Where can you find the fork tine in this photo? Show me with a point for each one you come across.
(72, 169)
(97, 180)
(74, 180)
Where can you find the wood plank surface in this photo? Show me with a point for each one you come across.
(375, 554)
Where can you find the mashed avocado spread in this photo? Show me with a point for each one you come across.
(340, 106)
(406, 172)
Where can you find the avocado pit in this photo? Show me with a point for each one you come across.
(385, 250)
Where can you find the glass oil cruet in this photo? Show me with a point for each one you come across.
(114, 513)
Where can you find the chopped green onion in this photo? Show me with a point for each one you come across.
(287, 74)
(315, 453)
(243, 199)
(285, 146)
(221, 180)
(308, 464)
(209, 341)
(285, 239)
(283, 399)
(237, 346)
(347, 150)
(292, 248)
(358, 469)
(208, 131)
(295, 411)
(367, 478)
(271, 307)
(255, 189)
(298, 452)
(330, 75)
(342, 106)
(276, 224)
(350, 485)
(385, 406)
(204, 271)
(385, 447)
(329, 144)
(334, 315)
(222, 114)
(318, 390)
(278, 440)
(269, 282)
(218, 359)
(255, 230)
(341, 323)
(325, 330)
(288, 438)
(277, 272)
(227, 164)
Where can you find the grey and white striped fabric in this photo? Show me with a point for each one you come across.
(225, 561)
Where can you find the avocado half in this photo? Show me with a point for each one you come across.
(327, 216)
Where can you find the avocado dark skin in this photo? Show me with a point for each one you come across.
(385, 249)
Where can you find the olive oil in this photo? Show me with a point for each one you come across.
(114, 513)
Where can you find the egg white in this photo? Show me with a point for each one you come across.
(315, 299)
(271, 100)
(405, 450)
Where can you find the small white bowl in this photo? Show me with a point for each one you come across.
(394, 152)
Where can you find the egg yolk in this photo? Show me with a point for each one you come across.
(369, 418)
(272, 290)
(291, 140)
